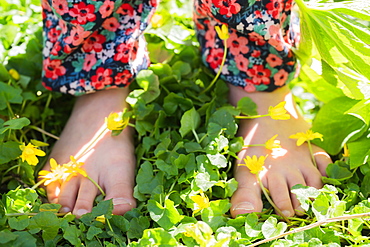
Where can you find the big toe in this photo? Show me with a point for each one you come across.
(247, 198)
(122, 198)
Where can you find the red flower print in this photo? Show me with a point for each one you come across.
(237, 44)
(94, 42)
(255, 37)
(274, 8)
(53, 68)
(101, 78)
(111, 24)
(227, 7)
(60, 6)
(256, 53)
(89, 62)
(123, 52)
(83, 13)
(126, 9)
(250, 88)
(62, 25)
(77, 35)
(53, 34)
(242, 62)
(56, 48)
(47, 87)
(106, 9)
(204, 8)
(281, 77)
(210, 37)
(154, 3)
(288, 5)
(274, 60)
(259, 75)
(122, 78)
(214, 57)
(45, 5)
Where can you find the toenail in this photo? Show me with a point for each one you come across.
(244, 206)
(81, 212)
(287, 213)
(65, 210)
(120, 201)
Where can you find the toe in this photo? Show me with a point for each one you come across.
(280, 194)
(322, 159)
(247, 198)
(122, 197)
(68, 194)
(53, 191)
(85, 198)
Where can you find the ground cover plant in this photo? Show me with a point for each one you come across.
(186, 142)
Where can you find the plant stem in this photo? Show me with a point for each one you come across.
(219, 70)
(313, 225)
(251, 117)
(195, 134)
(311, 152)
(270, 200)
(38, 183)
(43, 132)
(97, 185)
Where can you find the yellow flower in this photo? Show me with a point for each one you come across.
(222, 32)
(13, 73)
(29, 153)
(200, 201)
(101, 219)
(254, 164)
(74, 168)
(157, 20)
(116, 121)
(272, 143)
(278, 112)
(346, 151)
(303, 137)
(56, 173)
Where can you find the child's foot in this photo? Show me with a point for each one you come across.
(295, 167)
(111, 161)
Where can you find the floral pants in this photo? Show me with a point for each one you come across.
(92, 45)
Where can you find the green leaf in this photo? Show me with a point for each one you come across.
(20, 200)
(48, 223)
(305, 194)
(19, 223)
(9, 151)
(359, 151)
(253, 228)
(217, 160)
(24, 239)
(214, 215)
(147, 80)
(9, 94)
(157, 237)
(15, 124)
(189, 121)
(166, 216)
(271, 228)
(336, 126)
(7, 236)
(247, 106)
(338, 170)
(92, 232)
(137, 226)
(72, 234)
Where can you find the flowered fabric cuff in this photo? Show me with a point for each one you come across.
(259, 49)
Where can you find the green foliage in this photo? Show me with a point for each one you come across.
(186, 141)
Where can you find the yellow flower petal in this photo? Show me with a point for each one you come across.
(278, 112)
(272, 143)
(254, 164)
(13, 73)
(200, 202)
(223, 32)
(29, 154)
(117, 120)
(308, 136)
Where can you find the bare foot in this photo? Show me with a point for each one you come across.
(111, 161)
(295, 167)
